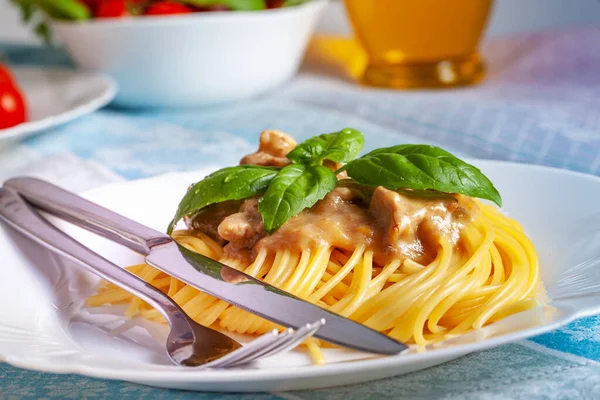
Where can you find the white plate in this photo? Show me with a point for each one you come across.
(55, 96)
(43, 327)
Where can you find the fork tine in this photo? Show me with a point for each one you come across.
(287, 342)
(258, 353)
(266, 345)
(245, 354)
(233, 357)
(298, 337)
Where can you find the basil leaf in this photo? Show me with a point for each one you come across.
(233, 183)
(293, 3)
(247, 5)
(234, 5)
(340, 146)
(43, 31)
(70, 10)
(295, 188)
(421, 167)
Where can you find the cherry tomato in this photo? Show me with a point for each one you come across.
(214, 7)
(111, 9)
(275, 3)
(167, 8)
(6, 77)
(13, 110)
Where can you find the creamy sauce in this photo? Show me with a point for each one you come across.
(208, 219)
(394, 224)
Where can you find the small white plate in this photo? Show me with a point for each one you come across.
(44, 327)
(56, 96)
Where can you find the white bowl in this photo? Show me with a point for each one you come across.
(196, 59)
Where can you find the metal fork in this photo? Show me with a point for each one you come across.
(269, 344)
(188, 343)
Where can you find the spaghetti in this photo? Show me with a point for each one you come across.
(497, 274)
(418, 268)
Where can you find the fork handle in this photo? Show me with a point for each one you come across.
(18, 214)
(88, 215)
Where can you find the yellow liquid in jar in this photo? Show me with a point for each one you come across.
(422, 42)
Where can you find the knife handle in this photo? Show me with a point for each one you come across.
(88, 215)
(18, 214)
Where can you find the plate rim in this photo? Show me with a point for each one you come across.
(180, 375)
(27, 129)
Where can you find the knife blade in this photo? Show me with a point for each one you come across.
(201, 272)
(267, 301)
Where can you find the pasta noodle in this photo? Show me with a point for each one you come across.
(492, 272)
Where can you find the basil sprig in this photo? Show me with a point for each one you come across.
(341, 146)
(295, 188)
(289, 190)
(233, 183)
(39, 12)
(419, 166)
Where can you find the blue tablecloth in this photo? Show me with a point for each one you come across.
(540, 104)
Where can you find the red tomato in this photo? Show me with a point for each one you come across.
(12, 107)
(111, 9)
(167, 8)
(6, 77)
(215, 7)
(275, 3)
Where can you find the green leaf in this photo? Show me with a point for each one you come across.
(40, 11)
(233, 183)
(43, 31)
(71, 10)
(293, 3)
(421, 167)
(247, 5)
(27, 8)
(235, 5)
(340, 146)
(295, 188)
(26, 12)
(31, 11)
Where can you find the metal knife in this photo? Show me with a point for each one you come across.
(201, 272)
